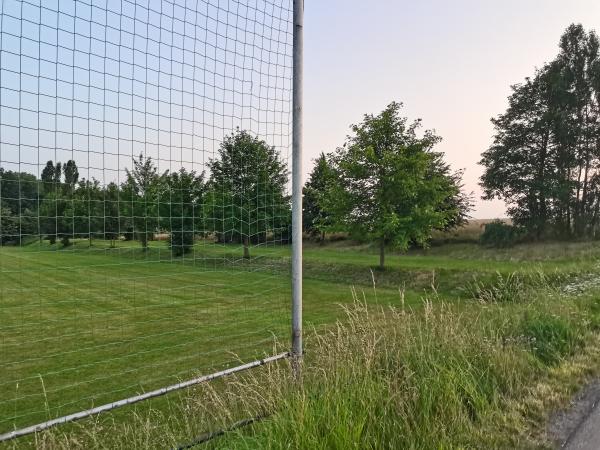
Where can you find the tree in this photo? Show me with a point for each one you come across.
(71, 174)
(58, 207)
(9, 226)
(48, 177)
(19, 193)
(57, 174)
(110, 213)
(18, 190)
(56, 218)
(578, 59)
(140, 194)
(316, 216)
(389, 186)
(457, 203)
(545, 158)
(246, 192)
(88, 208)
(181, 209)
(518, 165)
(48, 217)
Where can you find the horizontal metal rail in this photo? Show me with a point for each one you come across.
(138, 398)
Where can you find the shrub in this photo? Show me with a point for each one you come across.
(501, 235)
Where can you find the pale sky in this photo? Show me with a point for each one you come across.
(450, 62)
(87, 84)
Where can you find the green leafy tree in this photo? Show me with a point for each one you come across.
(56, 217)
(458, 203)
(181, 209)
(9, 226)
(140, 198)
(47, 216)
(71, 173)
(20, 193)
(111, 226)
(579, 61)
(545, 158)
(52, 205)
(58, 206)
(246, 198)
(316, 216)
(390, 188)
(88, 209)
(48, 177)
(57, 174)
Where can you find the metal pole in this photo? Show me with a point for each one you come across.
(297, 179)
(138, 398)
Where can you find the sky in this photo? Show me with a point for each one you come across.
(450, 62)
(101, 81)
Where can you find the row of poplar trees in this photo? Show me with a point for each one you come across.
(545, 157)
(244, 201)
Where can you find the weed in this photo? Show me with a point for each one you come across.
(551, 337)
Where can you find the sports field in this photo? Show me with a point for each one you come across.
(84, 326)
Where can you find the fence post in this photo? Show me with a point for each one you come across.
(297, 180)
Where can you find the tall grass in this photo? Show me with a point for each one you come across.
(440, 376)
(517, 286)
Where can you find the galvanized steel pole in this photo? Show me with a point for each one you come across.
(297, 179)
(138, 398)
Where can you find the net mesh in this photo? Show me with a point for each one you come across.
(145, 213)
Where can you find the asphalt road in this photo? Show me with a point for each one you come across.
(584, 420)
(587, 434)
(577, 427)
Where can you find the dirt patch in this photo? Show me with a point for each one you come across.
(565, 423)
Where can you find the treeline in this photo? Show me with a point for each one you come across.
(243, 201)
(545, 157)
(386, 184)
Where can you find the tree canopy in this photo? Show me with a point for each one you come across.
(390, 186)
(246, 199)
(140, 194)
(181, 209)
(545, 157)
(317, 218)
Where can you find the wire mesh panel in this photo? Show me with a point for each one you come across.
(145, 215)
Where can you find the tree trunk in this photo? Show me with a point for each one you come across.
(584, 196)
(594, 220)
(322, 241)
(144, 240)
(246, 248)
(577, 206)
(541, 181)
(382, 254)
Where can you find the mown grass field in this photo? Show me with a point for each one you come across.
(84, 326)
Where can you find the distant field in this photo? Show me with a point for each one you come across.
(470, 232)
(85, 326)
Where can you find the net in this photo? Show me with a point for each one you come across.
(145, 211)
